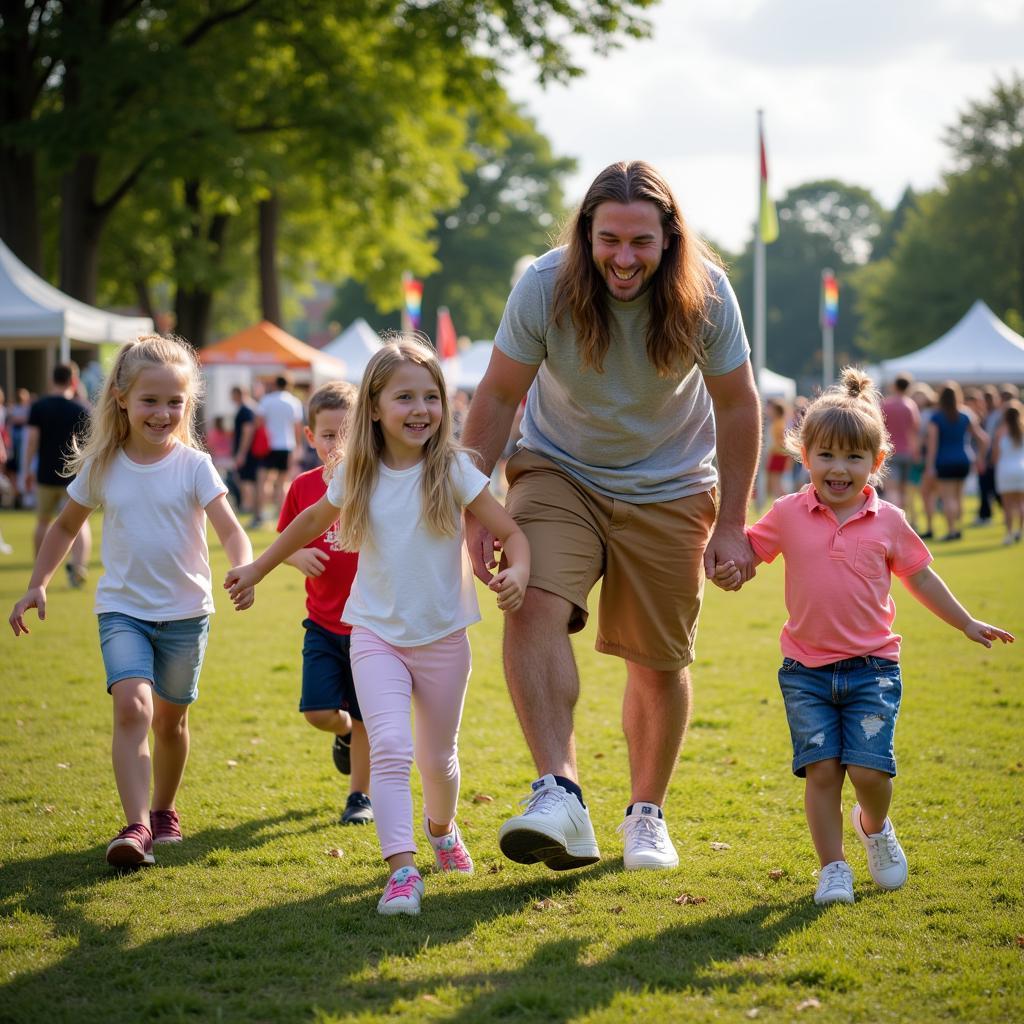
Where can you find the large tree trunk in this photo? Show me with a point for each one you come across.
(19, 214)
(81, 225)
(193, 305)
(270, 286)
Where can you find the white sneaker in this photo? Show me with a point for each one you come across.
(646, 840)
(835, 884)
(402, 894)
(450, 851)
(886, 860)
(555, 828)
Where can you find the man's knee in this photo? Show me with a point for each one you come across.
(540, 612)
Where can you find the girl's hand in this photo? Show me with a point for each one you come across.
(510, 586)
(982, 633)
(35, 597)
(243, 599)
(240, 581)
(727, 576)
(309, 561)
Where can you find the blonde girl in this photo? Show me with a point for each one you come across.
(840, 675)
(142, 463)
(397, 490)
(1008, 459)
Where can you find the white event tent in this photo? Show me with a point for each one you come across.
(354, 346)
(980, 349)
(465, 370)
(40, 326)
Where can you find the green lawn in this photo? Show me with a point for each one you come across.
(253, 919)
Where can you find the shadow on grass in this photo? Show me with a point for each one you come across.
(319, 957)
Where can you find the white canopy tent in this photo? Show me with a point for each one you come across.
(465, 370)
(774, 385)
(980, 349)
(40, 326)
(354, 346)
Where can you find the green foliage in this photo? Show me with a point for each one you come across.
(250, 919)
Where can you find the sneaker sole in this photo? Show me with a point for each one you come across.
(528, 846)
(166, 839)
(128, 855)
(357, 820)
(835, 899)
(392, 911)
(653, 866)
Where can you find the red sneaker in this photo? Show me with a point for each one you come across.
(131, 847)
(166, 826)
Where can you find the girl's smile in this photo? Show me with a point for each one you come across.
(408, 410)
(840, 474)
(154, 405)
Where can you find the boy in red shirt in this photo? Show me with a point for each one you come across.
(328, 693)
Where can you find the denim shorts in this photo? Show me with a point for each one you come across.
(846, 710)
(168, 654)
(327, 672)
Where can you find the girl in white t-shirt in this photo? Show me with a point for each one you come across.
(397, 490)
(141, 461)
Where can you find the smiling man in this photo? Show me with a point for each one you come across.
(628, 343)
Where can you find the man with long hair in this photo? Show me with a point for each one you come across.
(628, 343)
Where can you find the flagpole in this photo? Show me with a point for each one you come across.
(760, 296)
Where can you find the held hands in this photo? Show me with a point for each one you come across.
(35, 597)
(510, 586)
(727, 576)
(310, 561)
(982, 633)
(240, 584)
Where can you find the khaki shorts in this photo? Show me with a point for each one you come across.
(50, 499)
(651, 557)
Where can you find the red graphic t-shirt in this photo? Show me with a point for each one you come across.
(327, 593)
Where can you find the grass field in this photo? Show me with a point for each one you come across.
(253, 919)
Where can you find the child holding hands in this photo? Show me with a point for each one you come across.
(397, 488)
(142, 462)
(840, 676)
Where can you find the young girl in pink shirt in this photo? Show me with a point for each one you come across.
(840, 675)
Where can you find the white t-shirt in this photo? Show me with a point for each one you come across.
(156, 564)
(412, 586)
(280, 411)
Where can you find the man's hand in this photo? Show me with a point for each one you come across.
(729, 544)
(482, 546)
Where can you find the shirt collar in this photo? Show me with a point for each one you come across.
(812, 501)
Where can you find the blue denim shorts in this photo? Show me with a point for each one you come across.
(168, 654)
(327, 683)
(845, 710)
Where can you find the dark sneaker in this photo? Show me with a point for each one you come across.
(342, 753)
(166, 826)
(131, 847)
(76, 575)
(358, 810)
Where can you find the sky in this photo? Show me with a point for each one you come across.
(858, 91)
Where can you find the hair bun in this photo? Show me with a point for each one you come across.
(855, 382)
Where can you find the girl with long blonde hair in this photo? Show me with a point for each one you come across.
(397, 489)
(142, 463)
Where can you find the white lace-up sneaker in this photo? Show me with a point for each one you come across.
(835, 884)
(555, 828)
(403, 893)
(646, 840)
(886, 860)
(450, 851)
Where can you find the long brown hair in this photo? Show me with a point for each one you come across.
(681, 287)
(360, 454)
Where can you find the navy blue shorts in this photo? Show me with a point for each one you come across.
(846, 710)
(327, 672)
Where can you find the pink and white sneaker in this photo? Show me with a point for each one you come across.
(131, 847)
(166, 826)
(402, 894)
(450, 851)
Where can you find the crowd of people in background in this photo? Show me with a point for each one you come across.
(945, 440)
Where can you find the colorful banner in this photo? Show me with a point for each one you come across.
(445, 341)
(412, 302)
(768, 221)
(829, 299)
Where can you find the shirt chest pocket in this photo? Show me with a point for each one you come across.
(870, 560)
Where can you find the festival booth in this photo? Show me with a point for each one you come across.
(261, 353)
(354, 347)
(41, 326)
(980, 349)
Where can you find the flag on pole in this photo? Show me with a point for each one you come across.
(829, 299)
(768, 221)
(445, 341)
(412, 296)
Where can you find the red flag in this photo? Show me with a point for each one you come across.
(445, 341)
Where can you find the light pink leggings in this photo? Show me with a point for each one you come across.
(389, 681)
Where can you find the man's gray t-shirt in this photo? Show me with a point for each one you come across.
(626, 433)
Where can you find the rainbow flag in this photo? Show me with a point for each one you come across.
(829, 299)
(412, 297)
(768, 221)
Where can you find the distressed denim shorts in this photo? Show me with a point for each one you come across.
(845, 710)
(168, 654)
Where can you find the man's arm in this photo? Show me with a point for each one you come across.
(486, 431)
(738, 432)
(31, 448)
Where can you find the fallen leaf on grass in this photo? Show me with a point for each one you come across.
(547, 904)
(775, 874)
(720, 846)
(494, 869)
(616, 910)
(232, 764)
(752, 1012)
(808, 1004)
(1020, 941)
(483, 798)
(335, 852)
(256, 741)
(61, 764)
(428, 998)
(598, 756)
(728, 760)
(49, 808)
(684, 898)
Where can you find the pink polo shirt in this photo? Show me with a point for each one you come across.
(838, 577)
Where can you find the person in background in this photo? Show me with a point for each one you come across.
(903, 422)
(918, 485)
(1008, 460)
(246, 462)
(778, 459)
(219, 444)
(280, 412)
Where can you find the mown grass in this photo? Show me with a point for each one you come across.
(252, 919)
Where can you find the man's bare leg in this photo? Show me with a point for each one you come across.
(655, 714)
